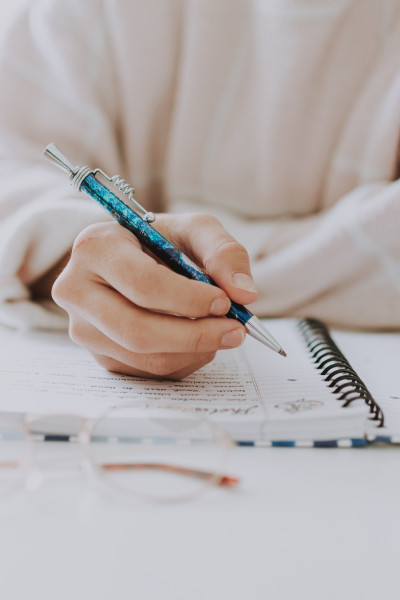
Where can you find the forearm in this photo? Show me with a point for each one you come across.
(40, 215)
(344, 269)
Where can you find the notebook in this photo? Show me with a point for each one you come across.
(333, 389)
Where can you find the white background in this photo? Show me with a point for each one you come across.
(7, 9)
(305, 524)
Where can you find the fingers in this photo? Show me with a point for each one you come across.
(140, 318)
(115, 256)
(224, 259)
(117, 367)
(118, 359)
(142, 331)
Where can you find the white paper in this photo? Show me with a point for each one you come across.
(376, 359)
(254, 392)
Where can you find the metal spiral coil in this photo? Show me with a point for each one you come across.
(79, 177)
(335, 368)
(123, 187)
(78, 174)
(128, 191)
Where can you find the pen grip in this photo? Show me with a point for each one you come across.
(153, 240)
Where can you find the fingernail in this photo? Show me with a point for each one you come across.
(232, 339)
(244, 282)
(220, 306)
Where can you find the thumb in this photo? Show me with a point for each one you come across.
(206, 241)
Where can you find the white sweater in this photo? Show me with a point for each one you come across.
(279, 116)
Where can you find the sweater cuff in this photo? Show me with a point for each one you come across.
(32, 241)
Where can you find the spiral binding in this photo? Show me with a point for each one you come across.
(335, 368)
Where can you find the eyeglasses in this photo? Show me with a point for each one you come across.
(165, 453)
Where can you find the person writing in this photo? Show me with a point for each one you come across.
(277, 118)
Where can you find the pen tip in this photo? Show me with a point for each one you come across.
(282, 352)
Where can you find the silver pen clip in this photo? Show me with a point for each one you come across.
(78, 174)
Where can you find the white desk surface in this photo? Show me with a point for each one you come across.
(305, 523)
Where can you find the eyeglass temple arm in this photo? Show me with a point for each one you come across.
(10, 464)
(222, 480)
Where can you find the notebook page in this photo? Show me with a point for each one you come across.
(43, 372)
(254, 392)
(295, 398)
(375, 357)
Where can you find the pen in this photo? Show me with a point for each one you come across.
(135, 218)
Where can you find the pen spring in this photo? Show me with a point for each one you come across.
(128, 191)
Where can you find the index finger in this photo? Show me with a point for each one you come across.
(113, 257)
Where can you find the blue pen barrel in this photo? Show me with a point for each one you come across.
(153, 240)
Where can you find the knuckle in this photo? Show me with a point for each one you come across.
(85, 239)
(67, 291)
(203, 220)
(194, 299)
(223, 251)
(62, 291)
(146, 283)
(96, 240)
(75, 332)
(197, 305)
(57, 292)
(227, 247)
(201, 340)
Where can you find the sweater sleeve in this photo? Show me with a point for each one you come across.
(342, 265)
(55, 76)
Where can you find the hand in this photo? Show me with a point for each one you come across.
(138, 317)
